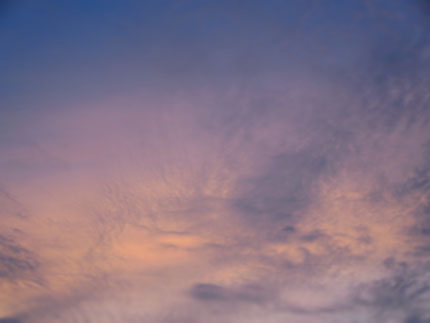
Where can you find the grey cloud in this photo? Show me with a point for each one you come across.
(402, 295)
(283, 188)
(406, 292)
(422, 250)
(10, 266)
(312, 236)
(289, 228)
(425, 231)
(395, 292)
(416, 319)
(419, 184)
(16, 261)
(10, 320)
(245, 293)
(209, 292)
(419, 181)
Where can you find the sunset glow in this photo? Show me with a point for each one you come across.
(215, 161)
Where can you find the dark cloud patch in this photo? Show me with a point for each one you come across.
(422, 250)
(419, 185)
(406, 291)
(246, 293)
(15, 261)
(416, 319)
(418, 182)
(396, 292)
(312, 236)
(425, 231)
(282, 189)
(10, 265)
(289, 228)
(10, 320)
(320, 310)
(209, 292)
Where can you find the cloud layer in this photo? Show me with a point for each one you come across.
(232, 161)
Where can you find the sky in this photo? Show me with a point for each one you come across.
(202, 161)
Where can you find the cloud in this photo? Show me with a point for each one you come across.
(234, 162)
(416, 319)
(16, 262)
(211, 292)
(10, 320)
(404, 293)
(283, 189)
